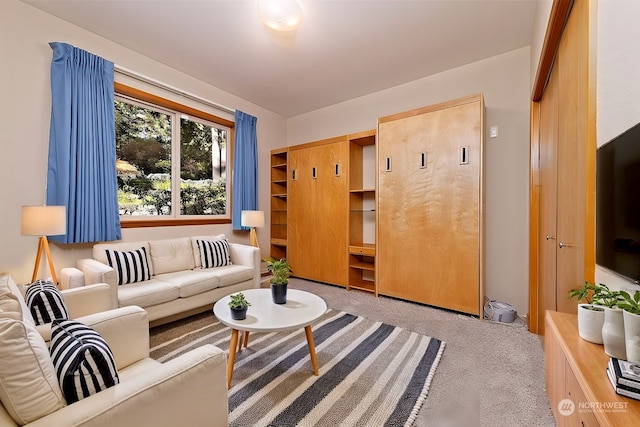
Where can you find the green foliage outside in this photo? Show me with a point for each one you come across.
(143, 147)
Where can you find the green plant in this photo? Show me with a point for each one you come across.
(597, 294)
(280, 269)
(238, 301)
(630, 303)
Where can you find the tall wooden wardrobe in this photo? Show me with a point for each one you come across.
(430, 205)
(318, 197)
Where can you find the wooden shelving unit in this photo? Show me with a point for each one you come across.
(278, 238)
(362, 215)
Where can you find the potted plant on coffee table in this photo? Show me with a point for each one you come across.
(590, 315)
(280, 270)
(238, 305)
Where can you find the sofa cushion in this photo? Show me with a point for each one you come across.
(10, 307)
(100, 250)
(145, 294)
(45, 302)
(214, 253)
(192, 282)
(29, 387)
(233, 274)
(130, 266)
(82, 359)
(6, 282)
(169, 255)
(196, 250)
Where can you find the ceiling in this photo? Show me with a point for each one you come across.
(343, 49)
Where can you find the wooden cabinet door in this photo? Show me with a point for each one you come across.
(318, 211)
(429, 204)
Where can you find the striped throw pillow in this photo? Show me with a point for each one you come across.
(45, 302)
(82, 360)
(131, 266)
(214, 253)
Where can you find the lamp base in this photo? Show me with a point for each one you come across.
(43, 246)
(253, 238)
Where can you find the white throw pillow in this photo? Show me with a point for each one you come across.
(214, 253)
(196, 249)
(29, 387)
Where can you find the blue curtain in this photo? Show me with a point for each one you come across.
(82, 154)
(245, 168)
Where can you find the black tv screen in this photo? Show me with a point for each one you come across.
(618, 204)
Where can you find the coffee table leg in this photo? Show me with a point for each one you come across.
(232, 355)
(246, 338)
(312, 349)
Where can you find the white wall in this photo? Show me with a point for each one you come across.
(505, 81)
(541, 21)
(618, 84)
(24, 121)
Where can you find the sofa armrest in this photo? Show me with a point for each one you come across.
(88, 299)
(97, 272)
(249, 256)
(71, 277)
(126, 330)
(189, 390)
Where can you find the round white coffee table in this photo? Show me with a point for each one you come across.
(300, 310)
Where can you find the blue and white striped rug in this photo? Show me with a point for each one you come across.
(371, 373)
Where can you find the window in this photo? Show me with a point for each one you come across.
(172, 161)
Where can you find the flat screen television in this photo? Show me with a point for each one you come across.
(618, 204)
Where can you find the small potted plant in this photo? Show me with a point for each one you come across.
(613, 326)
(630, 304)
(590, 315)
(280, 271)
(238, 305)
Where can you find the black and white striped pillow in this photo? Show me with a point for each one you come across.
(214, 253)
(45, 302)
(82, 360)
(131, 266)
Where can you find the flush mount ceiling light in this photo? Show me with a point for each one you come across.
(280, 15)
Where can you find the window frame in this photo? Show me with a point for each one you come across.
(137, 94)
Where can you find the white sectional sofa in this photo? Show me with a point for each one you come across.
(178, 285)
(189, 390)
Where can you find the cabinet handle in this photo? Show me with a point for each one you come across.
(423, 160)
(387, 164)
(313, 172)
(550, 237)
(565, 245)
(464, 155)
(337, 169)
(294, 174)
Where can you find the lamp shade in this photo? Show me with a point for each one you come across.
(44, 220)
(280, 15)
(252, 219)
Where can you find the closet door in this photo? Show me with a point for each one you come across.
(430, 204)
(318, 211)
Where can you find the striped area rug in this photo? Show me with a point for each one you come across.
(371, 373)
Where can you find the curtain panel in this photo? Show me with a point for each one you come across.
(245, 168)
(81, 171)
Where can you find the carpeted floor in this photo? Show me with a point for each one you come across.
(491, 374)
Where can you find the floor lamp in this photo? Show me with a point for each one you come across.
(44, 221)
(252, 219)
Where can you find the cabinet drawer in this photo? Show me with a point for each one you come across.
(363, 250)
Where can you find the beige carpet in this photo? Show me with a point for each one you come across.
(491, 374)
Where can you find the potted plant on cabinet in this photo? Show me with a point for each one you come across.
(280, 270)
(238, 305)
(590, 315)
(631, 315)
(613, 326)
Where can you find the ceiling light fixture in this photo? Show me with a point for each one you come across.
(280, 15)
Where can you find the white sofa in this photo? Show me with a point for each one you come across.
(179, 286)
(188, 390)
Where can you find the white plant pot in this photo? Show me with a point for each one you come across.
(613, 333)
(590, 321)
(632, 336)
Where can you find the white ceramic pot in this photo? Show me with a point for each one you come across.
(613, 333)
(632, 336)
(590, 321)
